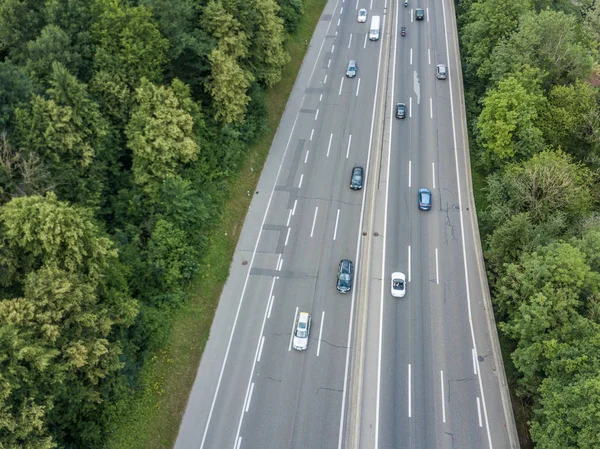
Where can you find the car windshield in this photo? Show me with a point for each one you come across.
(362, 12)
(398, 284)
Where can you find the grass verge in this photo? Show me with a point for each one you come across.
(154, 416)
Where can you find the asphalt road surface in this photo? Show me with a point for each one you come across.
(379, 372)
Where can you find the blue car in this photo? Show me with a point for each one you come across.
(424, 199)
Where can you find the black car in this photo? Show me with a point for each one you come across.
(419, 14)
(400, 110)
(356, 180)
(344, 277)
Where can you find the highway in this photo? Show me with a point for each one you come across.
(379, 372)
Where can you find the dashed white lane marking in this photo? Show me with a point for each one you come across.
(329, 146)
(443, 403)
(410, 107)
(433, 173)
(410, 63)
(270, 306)
(409, 174)
(409, 263)
(312, 132)
(337, 217)
(430, 107)
(332, 47)
(329, 63)
(365, 44)
(325, 79)
(294, 209)
(317, 114)
(437, 267)
(287, 237)
(358, 87)
(289, 218)
(409, 392)
(341, 84)
(350, 40)
(479, 411)
(262, 343)
(301, 178)
(292, 333)
(320, 333)
(306, 157)
(249, 397)
(348, 149)
(429, 55)
(314, 221)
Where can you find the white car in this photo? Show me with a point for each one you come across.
(362, 16)
(398, 285)
(302, 331)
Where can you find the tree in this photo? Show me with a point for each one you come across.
(550, 41)
(52, 46)
(267, 55)
(291, 12)
(16, 89)
(20, 21)
(63, 296)
(160, 133)
(548, 184)
(485, 26)
(129, 43)
(508, 127)
(572, 120)
(68, 132)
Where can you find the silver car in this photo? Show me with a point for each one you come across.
(351, 70)
(302, 331)
(442, 71)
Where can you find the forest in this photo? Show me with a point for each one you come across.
(121, 126)
(531, 80)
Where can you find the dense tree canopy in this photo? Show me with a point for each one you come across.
(121, 125)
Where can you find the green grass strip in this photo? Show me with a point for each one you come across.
(153, 417)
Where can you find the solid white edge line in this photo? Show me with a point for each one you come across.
(409, 391)
(474, 361)
(358, 87)
(250, 397)
(443, 395)
(479, 411)
(320, 333)
(262, 343)
(212, 406)
(287, 236)
(314, 221)
(348, 148)
(358, 241)
(329, 146)
(437, 267)
(337, 217)
(462, 228)
(385, 219)
(293, 325)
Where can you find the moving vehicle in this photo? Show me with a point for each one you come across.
(442, 71)
(419, 14)
(400, 110)
(402, 31)
(356, 180)
(375, 28)
(424, 199)
(362, 15)
(405, 3)
(351, 70)
(398, 285)
(300, 341)
(344, 277)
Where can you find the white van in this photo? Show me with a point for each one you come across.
(375, 27)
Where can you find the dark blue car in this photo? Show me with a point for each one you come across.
(424, 199)
(345, 274)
